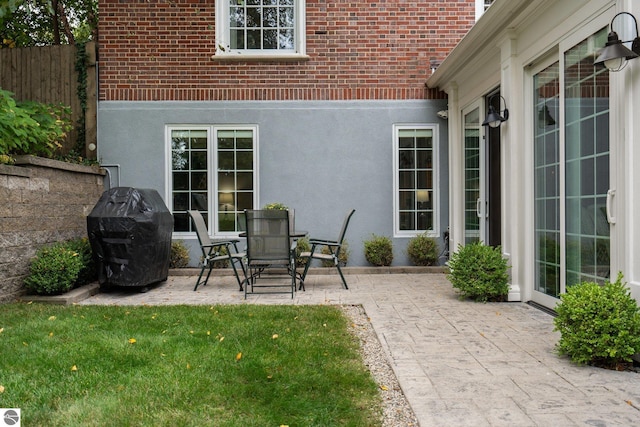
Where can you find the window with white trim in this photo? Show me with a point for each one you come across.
(260, 27)
(414, 180)
(213, 170)
(482, 6)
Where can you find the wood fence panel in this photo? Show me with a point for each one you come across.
(47, 74)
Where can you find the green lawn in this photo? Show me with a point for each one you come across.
(184, 366)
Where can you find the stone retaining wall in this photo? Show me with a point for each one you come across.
(41, 201)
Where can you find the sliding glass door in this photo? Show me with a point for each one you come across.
(473, 176)
(571, 172)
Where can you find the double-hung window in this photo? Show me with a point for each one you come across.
(414, 180)
(213, 170)
(269, 28)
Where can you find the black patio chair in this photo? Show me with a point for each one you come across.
(334, 246)
(270, 249)
(216, 251)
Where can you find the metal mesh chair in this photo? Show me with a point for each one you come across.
(269, 247)
(216, 251)
(334, 246)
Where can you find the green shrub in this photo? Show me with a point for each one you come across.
(422, 250)
(275, 206)
(88, 272)
(54, 270)
(5, 159)
(479, 272)
(378, 250)
(180, 256)
(302, 246)
(343, 258)
(31, 127)
(599, 324)
(222, 263)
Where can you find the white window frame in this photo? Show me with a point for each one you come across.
(482, 6)
(212, 185)
(223, 46)
(435, 191)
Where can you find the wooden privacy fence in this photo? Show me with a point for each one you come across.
(48, 74)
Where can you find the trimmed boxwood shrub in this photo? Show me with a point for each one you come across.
(54, 270)
(599, 324)
(180, 256)
(378, 250)
(303, 245)
(422, 250)
(88, 272)
(342, 259)
(479, 272)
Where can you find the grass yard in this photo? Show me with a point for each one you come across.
(184, 366)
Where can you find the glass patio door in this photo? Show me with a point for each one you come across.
(474, 179)
(587, 160)
(547, 181)
(571, 172)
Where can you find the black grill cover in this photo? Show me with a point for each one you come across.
(130, 234)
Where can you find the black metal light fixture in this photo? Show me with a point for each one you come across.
(615, 54)
(544, 117)
(495, 118)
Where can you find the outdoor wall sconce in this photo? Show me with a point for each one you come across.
(615, 54)
(544, 117)
(494, 118)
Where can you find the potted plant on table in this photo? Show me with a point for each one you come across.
(275, 206)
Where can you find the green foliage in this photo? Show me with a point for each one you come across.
(37, 23)
(275, 206)
(303, 245)
(479, 272)
(378, 250)
(180, 256)
(31, 127)
(81, 90)
(88, 272)
(343, 258)
(5, 159)
(249, 365)
(422, 250)
(54, 270)
(225, 263)
(599, 324)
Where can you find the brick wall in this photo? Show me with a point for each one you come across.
(41, 201)
(373, 49)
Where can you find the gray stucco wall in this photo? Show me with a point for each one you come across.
(321, 158)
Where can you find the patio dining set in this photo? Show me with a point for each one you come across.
(271, 252)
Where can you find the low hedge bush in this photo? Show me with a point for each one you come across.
(378, 250)
(88, 272)
(479, 272)
(599, 324)
(180, 256)
(422, 250)
(343, 258)
(54, 270)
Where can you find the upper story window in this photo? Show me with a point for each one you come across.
(415, 171)
(270, 28)
(482, 6)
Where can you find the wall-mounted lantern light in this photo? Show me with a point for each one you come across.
(615, 54)
(545, 118)
(495, 118)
